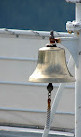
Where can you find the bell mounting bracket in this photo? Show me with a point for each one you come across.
(53, 40)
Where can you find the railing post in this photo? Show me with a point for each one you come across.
(78, 93)
(78, 78)
(75, 26)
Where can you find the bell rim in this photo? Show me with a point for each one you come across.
(52, 80)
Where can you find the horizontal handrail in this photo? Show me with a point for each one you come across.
(34, 111)
(18, 58)
(33, 33)
(33, 84)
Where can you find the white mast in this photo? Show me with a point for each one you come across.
(75, 26)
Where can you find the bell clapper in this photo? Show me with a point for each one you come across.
(49, 88)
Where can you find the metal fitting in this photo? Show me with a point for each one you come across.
(73, 26)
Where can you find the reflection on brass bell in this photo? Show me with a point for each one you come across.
(51, 66)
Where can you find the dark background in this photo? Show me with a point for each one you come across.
(36, 14)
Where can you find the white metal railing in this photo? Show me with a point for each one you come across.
(34, 111)
(41, 34)
(17, 58)
(34, 84)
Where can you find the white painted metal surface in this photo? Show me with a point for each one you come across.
(31, 33)
(28, 132)
(78, 94)
(78, 12)
(78, 80)
(75, 26)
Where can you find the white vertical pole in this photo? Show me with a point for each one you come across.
(78, 79)
(78, 12)
(78, 93)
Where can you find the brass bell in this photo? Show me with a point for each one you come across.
(51, 65)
